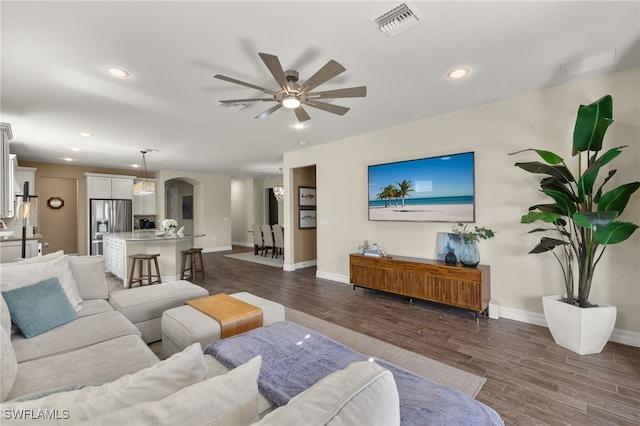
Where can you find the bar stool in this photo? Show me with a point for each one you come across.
(193, 268)
(140, 259)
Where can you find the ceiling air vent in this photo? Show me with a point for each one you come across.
(398, 19)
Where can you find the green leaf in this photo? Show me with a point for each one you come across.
(591, 125)
(594, 219)
(543, 216)
(547, 156)
(559, 172)
(566, 204)
(588, 178)
(547, 244)
(614, 233)
(553, 208)
(617, 198)
(598, 194)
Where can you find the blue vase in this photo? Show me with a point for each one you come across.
(469, 254)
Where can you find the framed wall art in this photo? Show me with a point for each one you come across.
(307, 219)
(306, 196)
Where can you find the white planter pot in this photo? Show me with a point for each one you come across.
(581, 330)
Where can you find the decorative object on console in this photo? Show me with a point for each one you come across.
(55, 202)
(436, 189)
(450, 258)
(582, 215)
(469, 254)
(448, 242)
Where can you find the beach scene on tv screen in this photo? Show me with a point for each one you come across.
(436, 189)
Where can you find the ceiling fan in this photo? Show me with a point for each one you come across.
(293, 95)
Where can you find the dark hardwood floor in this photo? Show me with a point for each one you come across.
(530, 380)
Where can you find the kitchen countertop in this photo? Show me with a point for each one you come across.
(17, 236)
(149, 235)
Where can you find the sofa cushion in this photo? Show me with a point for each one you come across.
(363, 393)
(8, 364)
(39, 307)
(88, 272)
(93, 307)
(98, 363)
(76, 334)
(41, 259)
(21, 274)
(149, 384)
(143, 303)
(230, 399)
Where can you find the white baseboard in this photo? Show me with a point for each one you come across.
(619, 336)
(333, 277)
(300, 265)
(242, 243)
(214, 249)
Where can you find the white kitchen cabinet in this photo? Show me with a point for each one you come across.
(109, 186)
(12, 249)
(144, 204)
(6, 172)
(114, 256)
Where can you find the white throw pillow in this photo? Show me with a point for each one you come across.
(21, 274)
(150, 384)
(88, 272)
(361, 394)
(41, 259)
(230, 399)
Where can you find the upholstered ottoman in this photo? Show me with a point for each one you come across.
(143, 306)
(185, 325)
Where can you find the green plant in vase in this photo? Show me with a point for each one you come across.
(582, 215)
(469, 255)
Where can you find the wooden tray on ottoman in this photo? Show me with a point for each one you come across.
(234, 316)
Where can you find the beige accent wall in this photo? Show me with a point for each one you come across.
(542, 119)
(304, 240)
(58, 226)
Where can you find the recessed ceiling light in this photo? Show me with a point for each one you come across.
(135, 166)
(303, 142)
(458, 73)
(86, 134)
(117, 72)
(68, 159)
(298, 126)
(75, 149)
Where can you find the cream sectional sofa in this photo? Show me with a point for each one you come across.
(96, 369)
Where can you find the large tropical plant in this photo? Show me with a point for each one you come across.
(582, 216)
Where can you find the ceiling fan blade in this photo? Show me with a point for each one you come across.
(273, 64)
(301, 114)
(350, 92)
(237, 101)
(336, 109)
(270, 111)
(324, 74)
(243, 83)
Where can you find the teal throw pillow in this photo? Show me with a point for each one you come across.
(39, 307)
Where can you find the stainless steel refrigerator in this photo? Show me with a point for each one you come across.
(108, 216)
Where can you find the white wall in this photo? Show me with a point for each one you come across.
(211, 207)
(542, 119)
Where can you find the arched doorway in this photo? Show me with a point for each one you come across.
(178, 194)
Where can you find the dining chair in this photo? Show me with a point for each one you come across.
(267, 238)
(278, 240)
(258, 242)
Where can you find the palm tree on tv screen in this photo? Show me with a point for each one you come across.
(405, 187)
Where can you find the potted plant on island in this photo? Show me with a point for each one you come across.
(582, 218)
(469, 255)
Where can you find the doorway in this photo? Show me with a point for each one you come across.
(59, 227)
(179, 205)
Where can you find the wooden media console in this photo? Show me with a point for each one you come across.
(426, 279)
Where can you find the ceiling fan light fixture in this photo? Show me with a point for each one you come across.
(291, 101)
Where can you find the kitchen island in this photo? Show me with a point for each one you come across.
(118, 246)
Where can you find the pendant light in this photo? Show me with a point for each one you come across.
(144, 187)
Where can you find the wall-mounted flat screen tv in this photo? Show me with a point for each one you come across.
(434, 189)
